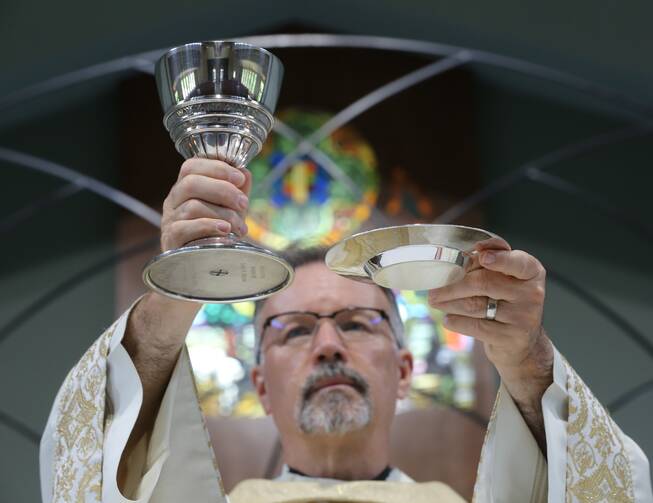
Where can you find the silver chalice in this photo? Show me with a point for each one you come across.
(218, 99)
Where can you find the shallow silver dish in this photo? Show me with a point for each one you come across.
(407, 257)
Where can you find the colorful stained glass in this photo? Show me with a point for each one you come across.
(307, 206)
(443, 370)
(405, 199)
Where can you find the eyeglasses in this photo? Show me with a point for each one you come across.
(297, 328)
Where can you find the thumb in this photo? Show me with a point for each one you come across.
(495, 243)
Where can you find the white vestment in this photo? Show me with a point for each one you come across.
(589, 458)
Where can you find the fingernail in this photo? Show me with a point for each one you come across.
(489, 258)
(224, 226)
(236, 177)
(243, 202)
(445, 319)
(243, 229)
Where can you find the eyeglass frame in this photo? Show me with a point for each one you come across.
(268, 321)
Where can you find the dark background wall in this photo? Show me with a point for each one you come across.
(517, 119)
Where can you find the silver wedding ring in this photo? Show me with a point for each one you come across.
(491, 311)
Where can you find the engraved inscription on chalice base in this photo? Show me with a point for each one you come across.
(251, 272)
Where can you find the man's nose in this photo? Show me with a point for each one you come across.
(328, 344)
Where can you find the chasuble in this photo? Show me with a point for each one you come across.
(589, 459)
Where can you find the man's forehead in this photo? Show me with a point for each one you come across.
(316, 288)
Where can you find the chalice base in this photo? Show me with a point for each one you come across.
(218, 270)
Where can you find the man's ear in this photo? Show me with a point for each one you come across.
(405, 360)
(261, 390)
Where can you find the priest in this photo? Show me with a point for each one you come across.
(331, 364)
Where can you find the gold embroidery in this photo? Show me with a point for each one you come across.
(599, 470)
(600, 486)
(578, 410)
(90, 483)
(79, 428)
(87, 442)
(583, 457)
(268, 491)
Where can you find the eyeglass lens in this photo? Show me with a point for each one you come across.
(294, 328)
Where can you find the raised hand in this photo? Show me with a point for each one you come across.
(516, 280)
(208, 200)
(514, 339)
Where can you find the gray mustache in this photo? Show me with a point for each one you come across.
(331, 369)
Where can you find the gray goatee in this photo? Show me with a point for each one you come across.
(334, 411)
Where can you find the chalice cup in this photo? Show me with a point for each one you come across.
(218, 98)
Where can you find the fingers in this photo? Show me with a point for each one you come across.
(211, 190)
(247, 186)
(479, 283)
(516, 263)
(517, 314)
(492, 332)
(512, 277)
(196, 208)
(213, 181)
(213, 169)
(208, 200)
(475, 307)
(181, 232)
(495, 243)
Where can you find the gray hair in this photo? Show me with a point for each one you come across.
(298, 257)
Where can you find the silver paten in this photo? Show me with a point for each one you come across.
(218, 99)
(407, 257)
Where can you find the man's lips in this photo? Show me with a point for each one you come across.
(330, 382)
(331, 375)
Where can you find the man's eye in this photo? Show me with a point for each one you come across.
(298, 331)
(354, 326)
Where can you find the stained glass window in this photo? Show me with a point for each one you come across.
(307, 205)
(443, 370)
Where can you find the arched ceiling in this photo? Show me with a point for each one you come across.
(608, 42)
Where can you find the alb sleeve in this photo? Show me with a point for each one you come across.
(588, 457)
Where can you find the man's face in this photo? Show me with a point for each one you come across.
(330, 383)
